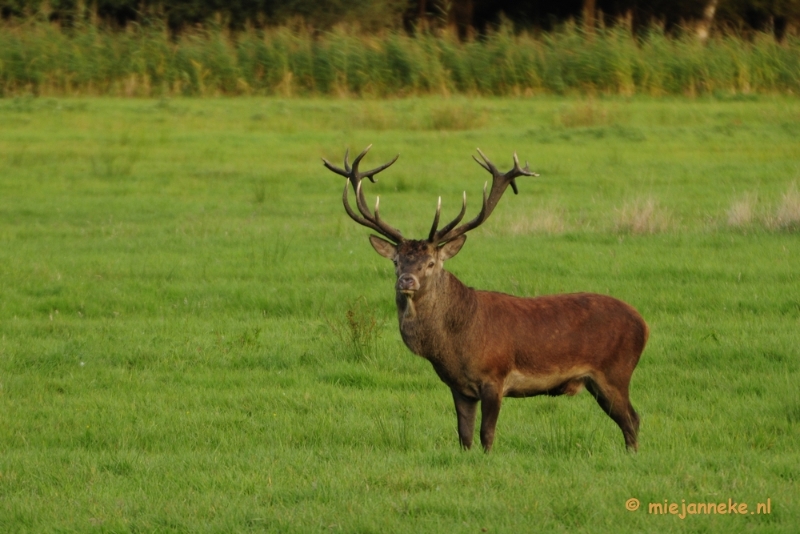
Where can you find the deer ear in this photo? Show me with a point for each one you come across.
(451, 248)
(383, 247)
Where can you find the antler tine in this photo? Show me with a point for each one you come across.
(520, 171)
(500, 181)
(361, 203)
(479, 162)
(353, 215)
(336, 169)
(516, 169)
(436, 237)
(388, 231)
(371, 173)
(359, 158)
(354, 177)
(358, 176)
(435, 220)
(482, 215)
(377, 214)
(489, 166)
(352, 174)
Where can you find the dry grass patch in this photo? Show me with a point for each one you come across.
(787, 216)
(376, 117)
(445, 117)
(456, 117)
(643, 216)
(539, 221)
(583, 115)
(742, 211)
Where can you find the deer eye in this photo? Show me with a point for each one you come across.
(431, 264)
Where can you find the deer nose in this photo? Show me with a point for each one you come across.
(407, 282)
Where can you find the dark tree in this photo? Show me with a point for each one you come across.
(461, 15)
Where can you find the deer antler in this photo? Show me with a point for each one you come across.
(500, 182)
(354, 177)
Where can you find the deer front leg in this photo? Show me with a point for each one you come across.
(491, 399)
(465, 410)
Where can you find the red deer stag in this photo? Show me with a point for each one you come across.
(486, 345)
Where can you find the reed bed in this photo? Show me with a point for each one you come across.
(43, 59)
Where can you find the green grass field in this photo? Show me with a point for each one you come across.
(194, 337)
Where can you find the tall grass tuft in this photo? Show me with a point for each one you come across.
(545, 220)
(643, 216)
(742, 212)
(357, 332)
(787, 216)
(39, 58)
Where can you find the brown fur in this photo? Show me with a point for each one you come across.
(486, 345)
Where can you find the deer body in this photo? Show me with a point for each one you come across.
(486, 345)
(526, 346)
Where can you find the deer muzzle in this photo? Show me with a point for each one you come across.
(407, 283)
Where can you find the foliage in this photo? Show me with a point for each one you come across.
(184, 14)
(373, 15)
(40, 59)
(358, 332)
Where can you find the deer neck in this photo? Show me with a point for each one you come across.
(431, 322)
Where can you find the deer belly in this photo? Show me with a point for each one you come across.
(569, 382)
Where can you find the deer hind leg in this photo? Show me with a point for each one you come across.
(465, 410)
(615, 402)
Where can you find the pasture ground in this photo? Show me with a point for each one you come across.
(195, 338)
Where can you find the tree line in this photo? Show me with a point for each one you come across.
(465, 16)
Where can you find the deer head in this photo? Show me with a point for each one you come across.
(419, 262)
